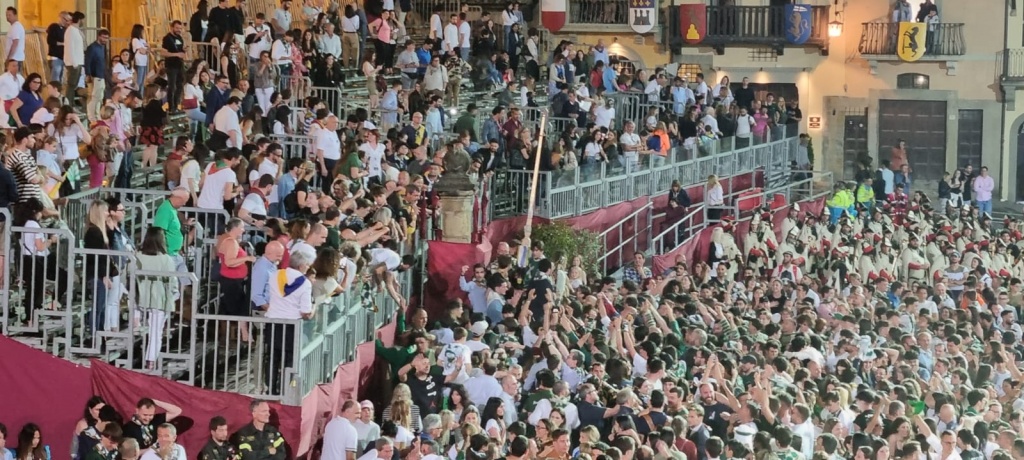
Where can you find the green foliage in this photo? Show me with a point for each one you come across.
(561, 239)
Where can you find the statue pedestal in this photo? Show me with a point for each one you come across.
(457, 217)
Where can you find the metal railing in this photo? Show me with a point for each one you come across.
(624, 238)
(567, 193)
(815, 185)
(947, 39)
(602, 12)
(171, 325)
(752, 25)
(1013, 62)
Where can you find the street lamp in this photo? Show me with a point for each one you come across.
(835, 28)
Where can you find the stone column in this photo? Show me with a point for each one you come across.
(457, 217)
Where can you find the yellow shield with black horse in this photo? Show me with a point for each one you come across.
(910, 43)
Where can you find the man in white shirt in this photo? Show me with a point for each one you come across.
(330, 43)
(74, 54)
(465, 33)
(803, 427)
(328, 147)
(456, 357)
(10, 85)
(253, 210)
(710, 120)
(165, 446)
(350, 40)
(258, 39)
(281, 54)
(316, 237)
(341, 441)
(702, 90)
(226, 121)
(744, 125)
(437, 26)
(543, 409)
(291, 298)
(383, 449)
(282, 20)
(629, 141)
(653, 89)
(14, 45)
(366, 428)
(450, 43)
(484, 386)
(436, 77)
(221, 183)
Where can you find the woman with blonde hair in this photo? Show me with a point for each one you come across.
(714, 197)
(403, 393)
(98, 268)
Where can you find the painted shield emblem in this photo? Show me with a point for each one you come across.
(693, 22)
(552, 14)
(642, 16)
(798, 23)
(910, 42)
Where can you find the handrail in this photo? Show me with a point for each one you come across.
(623, 242)
(882, 38)
(595, 186)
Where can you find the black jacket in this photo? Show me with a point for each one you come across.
(253, 444)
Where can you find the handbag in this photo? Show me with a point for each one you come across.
(189, 104)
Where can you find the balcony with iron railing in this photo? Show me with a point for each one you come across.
(597, 16)
(749, 25)
(878, 41)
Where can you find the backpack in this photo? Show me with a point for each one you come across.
(291, 202)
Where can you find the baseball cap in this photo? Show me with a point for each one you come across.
(366, 404)
(479, 328)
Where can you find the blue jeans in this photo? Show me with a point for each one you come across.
(196, 117)
(985, 207)
(140, 75)
(56, 70)
(285, 71)
(95, 316)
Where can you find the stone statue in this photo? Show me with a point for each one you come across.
(456, 178)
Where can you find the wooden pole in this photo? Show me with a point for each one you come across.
(524, 248)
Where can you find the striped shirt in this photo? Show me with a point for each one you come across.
(26, 174)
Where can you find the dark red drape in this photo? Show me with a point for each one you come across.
(40, 388)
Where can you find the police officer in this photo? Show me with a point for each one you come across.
(259, 440)
(218, 448)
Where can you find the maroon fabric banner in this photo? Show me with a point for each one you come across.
(123, 388)
(43, 389)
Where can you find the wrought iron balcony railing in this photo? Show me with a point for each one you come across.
(881, 38)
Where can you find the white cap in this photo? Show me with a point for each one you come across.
(479, 328)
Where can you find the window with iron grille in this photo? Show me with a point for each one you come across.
(763, 55)
(913, 81)
(622, 64)
(688, 71)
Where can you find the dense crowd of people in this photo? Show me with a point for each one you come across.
(882, 327)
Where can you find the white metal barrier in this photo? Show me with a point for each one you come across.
(575, 192)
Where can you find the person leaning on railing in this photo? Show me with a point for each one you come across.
(291, 298)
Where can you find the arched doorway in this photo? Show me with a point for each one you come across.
(622, 56)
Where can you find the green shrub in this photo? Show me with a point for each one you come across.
(561, 239)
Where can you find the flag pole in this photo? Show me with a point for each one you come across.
(524, 247)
